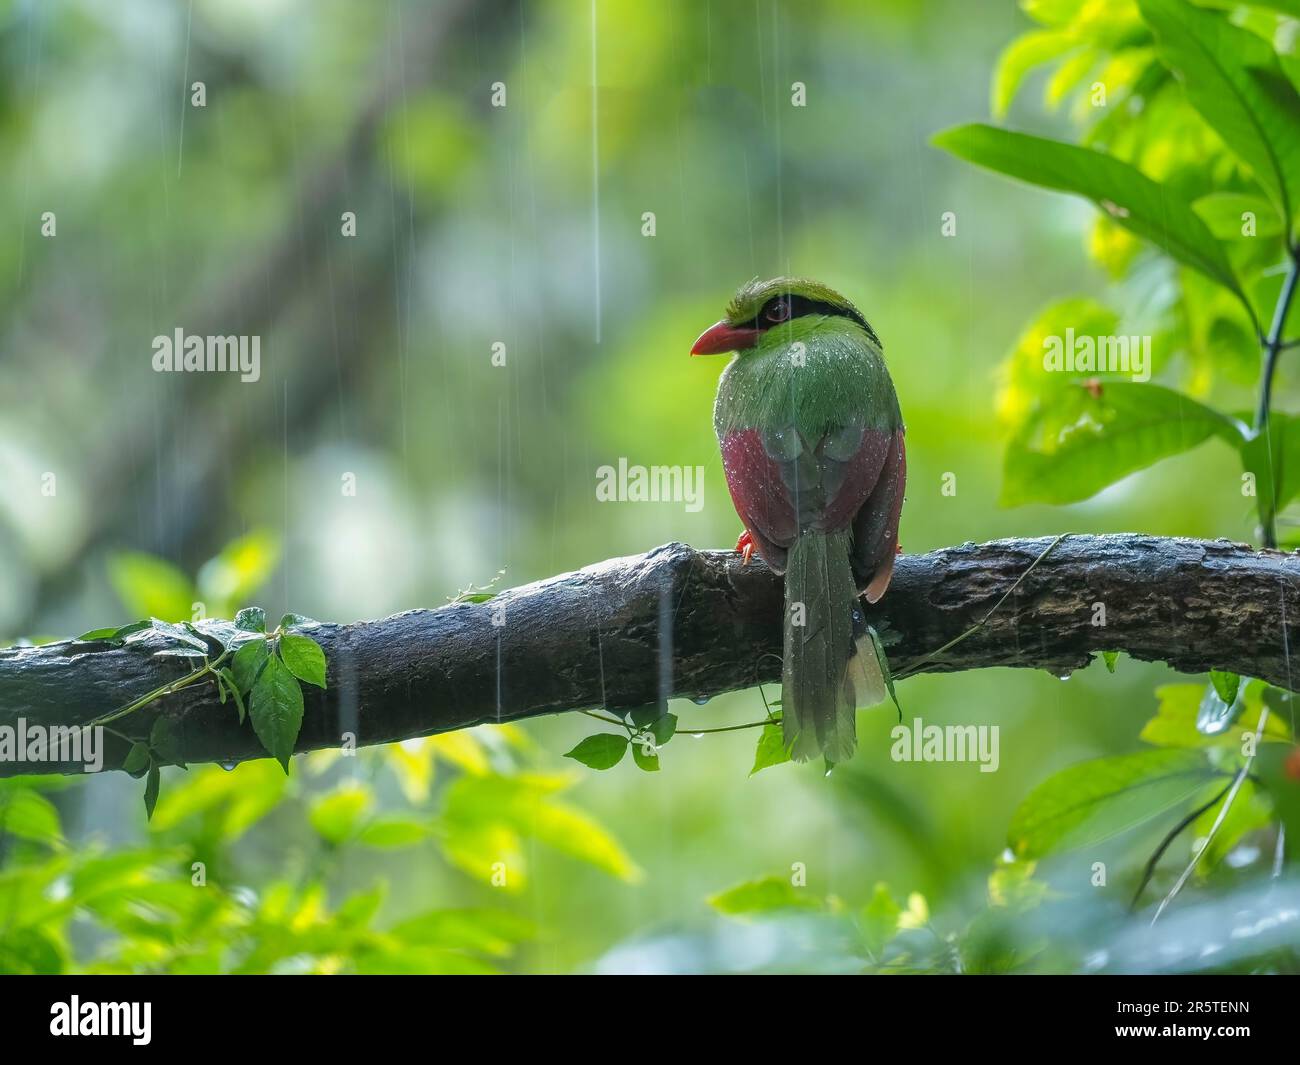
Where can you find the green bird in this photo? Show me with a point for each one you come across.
(812, 446)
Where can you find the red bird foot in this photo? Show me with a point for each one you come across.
(745, 545)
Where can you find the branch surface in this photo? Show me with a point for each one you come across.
(677, 622)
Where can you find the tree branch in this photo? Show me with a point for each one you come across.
(683, 623)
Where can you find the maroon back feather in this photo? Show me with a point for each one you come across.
(782, 482)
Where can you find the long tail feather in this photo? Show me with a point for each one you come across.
(830, 664)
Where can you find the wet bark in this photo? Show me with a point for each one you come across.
(677, 622)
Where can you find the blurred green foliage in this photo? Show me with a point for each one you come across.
(1150, 78)
(211, 891)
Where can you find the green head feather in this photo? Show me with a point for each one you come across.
(750, 298)
(841, 379)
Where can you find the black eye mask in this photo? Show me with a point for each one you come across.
(800, 306)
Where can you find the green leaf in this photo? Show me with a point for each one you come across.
(885, 671)
(224, 632)
(602, 751)
(664, 729)
(151, 587)
(113, 634)
(151, 787)
(1235, 81)
(30, 952)
(1069, 75)
(1131, 198)
(165, 740)
(1226, 684)
(27, 814)
(1110, 658)
(879, 919)
(645, 716)
(1223, 212)
(1287, 7)
(336, 816)
(654, 719)
(180, 634)
(1012, 884)
(276, 709)
(247, 663)
(1022, 55)
(226, 803)
(486, 931)
(1022, 375)
(475, 597)
(571, 831)
(1277, 766)
(387, 958)
(360, 909)
(1078, 441)
(240, 570)
(1273, 459)
(232, 685)
(298, 621)
(251, 619)
(648, 762)
(304, 657)
(1177, 713)
(485, 816)
(137, 759)
(393, 831)
(771, 748)
(1281, 703)
(1193, 715)
(762, 896)
(1086, 803)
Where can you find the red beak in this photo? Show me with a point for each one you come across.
(724, 337)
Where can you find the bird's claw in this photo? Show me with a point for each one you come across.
(745, 545)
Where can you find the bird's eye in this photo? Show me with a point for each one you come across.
(778, 310)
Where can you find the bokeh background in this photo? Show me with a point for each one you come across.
(521, 225)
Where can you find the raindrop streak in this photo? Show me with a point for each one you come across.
(185, 91)
(595, 172)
